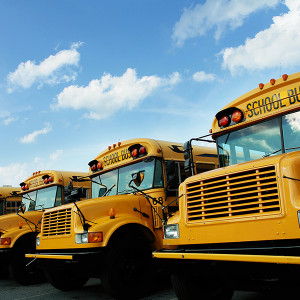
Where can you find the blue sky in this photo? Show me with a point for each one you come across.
(78, 76)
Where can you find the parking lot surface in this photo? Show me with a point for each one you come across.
(11, 290)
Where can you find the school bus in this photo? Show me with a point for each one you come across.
(239, 224)
(112, 235)
(9, 199)
(43, 190)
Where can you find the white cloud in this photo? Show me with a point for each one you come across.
(51, 70)
(57, 154)
(8, 120)
(275, 46)
(202, 76)
(294, 121)
(30, 138)
(215, 14)
(104, 96)
(13, 174)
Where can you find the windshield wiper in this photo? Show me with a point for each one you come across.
(266, 155)
(109, 190)
(290, 178)
(292, 148)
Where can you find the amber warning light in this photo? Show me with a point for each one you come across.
(137, 151)
(230, 117)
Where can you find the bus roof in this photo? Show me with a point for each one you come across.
(45, 178)
(267, 100)
(7, 191)
(120, 154)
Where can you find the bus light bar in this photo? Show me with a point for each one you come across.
(24, 186)
(95, 165)
(272, 81)
(230, 117)
(47, 179)
(137, 151)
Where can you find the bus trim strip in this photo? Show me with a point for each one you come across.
(230, 257)
(49, 256)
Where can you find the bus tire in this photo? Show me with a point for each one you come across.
(25, 275)
(127, 266)
(193, 287)
(65, 280)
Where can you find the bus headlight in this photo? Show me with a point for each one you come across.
(88, 237)
(81, 238)
(37, 241)
(171, 231)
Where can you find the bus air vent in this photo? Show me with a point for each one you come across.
(242, 194)
(57, 223)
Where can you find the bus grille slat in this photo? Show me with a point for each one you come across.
(246, 193)
(57, 223)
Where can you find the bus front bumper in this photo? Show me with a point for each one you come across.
(295, 260)
(70, 256)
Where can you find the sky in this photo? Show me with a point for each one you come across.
(79, 75)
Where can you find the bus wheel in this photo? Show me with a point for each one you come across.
(192, 287)
(126, 274)
(23, 274)
(65, 280)
(4, 273)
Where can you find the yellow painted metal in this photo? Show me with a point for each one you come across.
(230, 257)
(261, 104)
(14, 226)
(97, 210)
(49, 256)
(252, 201)
(8, 200)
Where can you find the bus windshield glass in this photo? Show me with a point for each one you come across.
(117, 181)
(272, 137)
(42, 199)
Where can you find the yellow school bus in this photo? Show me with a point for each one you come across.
(9, 200)
(41, 191)
(241, 223)
(112, 235)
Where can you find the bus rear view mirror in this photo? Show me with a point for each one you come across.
(137, 178)
(21, 208)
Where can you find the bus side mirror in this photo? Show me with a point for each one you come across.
(21, 208)
(137, 178)
(188, 160)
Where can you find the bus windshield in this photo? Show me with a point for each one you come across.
(116, 181)
(42, 199)
(272, 137)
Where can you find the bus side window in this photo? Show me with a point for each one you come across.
(172, 175)
(58, 200)
(204, 167)
(85, 194)
(175, 175)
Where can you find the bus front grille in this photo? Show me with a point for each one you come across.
(247, 193)
(56, 223)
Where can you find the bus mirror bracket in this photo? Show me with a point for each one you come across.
(188, 158)
(189, 166)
